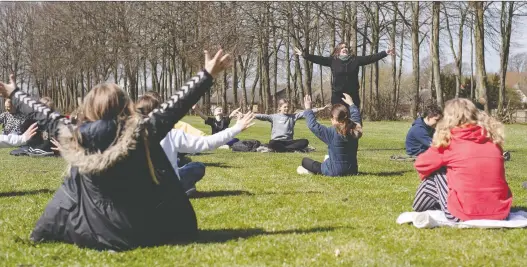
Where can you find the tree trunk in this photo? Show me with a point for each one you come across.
(375, 50)
(394, 62)
(507, 12)
(435, 50)
(415, 57)
(479, 36)
(235, 83)
(307, 64)
(353, 28)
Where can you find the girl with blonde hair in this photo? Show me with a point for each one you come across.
(463, 172)
(120, 191)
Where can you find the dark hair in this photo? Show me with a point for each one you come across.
(341, 114)
(432, 110)
(153, 94)
(146, 103)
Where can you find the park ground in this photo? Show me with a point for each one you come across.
(255, 210)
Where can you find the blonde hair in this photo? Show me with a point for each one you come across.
(106, 101)
(460, 112)
(146, 103)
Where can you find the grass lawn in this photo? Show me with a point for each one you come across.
(258, 212)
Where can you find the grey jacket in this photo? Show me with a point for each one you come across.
(282, 125)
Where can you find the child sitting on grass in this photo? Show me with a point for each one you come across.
(419, 137)
(463, 171)
(121, 191)
(342, 140)
(219, 122)
(177, 141)
(283, 128)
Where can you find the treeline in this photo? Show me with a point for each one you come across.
(61, 50)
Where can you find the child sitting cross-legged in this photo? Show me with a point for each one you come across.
(463, 172)
(342, 140)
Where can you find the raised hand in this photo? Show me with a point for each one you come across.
(245, 121)
(347, 99)
(30, 132)
(235, 112)
(307, 102)
(298, 51)
(217, 64)
(390, 51)
(56, 144)
(7, 88)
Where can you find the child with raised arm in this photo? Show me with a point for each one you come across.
(463, 172)
(283, 128)
(121, 191)
(177, 141)
(219, 122)
(342, 140)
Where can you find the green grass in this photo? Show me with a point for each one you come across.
(259, 212)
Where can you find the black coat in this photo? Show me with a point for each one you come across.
(109, 199)
(345, 73)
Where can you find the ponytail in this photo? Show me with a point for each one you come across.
(346, 126)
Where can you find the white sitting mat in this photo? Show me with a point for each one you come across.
(436, 218)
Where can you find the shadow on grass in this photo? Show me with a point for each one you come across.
(224, 235)
(217, 164)
(23, 193)
(384, 174)
(291, 193)
(382, 149)
(220, 193)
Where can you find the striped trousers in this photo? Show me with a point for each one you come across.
(432, 195)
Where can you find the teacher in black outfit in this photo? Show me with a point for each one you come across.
(345, 69)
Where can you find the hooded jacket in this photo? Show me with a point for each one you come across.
(109, 198)
(345, 72)
(419, 137)
(477, 188)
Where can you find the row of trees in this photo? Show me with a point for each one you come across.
(62, 49)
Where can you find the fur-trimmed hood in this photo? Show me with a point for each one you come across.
(97, 160)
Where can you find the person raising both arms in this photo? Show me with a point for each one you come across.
(283, 128)
(345, 70)
(220, 122)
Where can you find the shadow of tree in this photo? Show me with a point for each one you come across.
(391, 173)
(224, 235)
(23, 193)
(220, 193)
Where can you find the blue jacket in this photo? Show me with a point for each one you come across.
(342, 150)
(419, 137)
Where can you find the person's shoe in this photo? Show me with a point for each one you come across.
(224, 147)
(35, 152)
(326, 157)
(263, 149)
(302, 170)
(507, 155)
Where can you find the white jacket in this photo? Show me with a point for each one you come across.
(177, 141)
(12, 140)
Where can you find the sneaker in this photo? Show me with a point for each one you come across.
(263, 149)
(326, 157)
(302, 170)
(224, 147)
(507, 155)
(35, 152)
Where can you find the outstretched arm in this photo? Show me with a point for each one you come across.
(371, 58)
(264, 117)
(198, 111)
(324, 61)
(163, 119)
(320, 131)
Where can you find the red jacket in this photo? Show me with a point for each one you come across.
(475, 174)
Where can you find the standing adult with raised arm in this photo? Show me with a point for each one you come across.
(345, 70)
